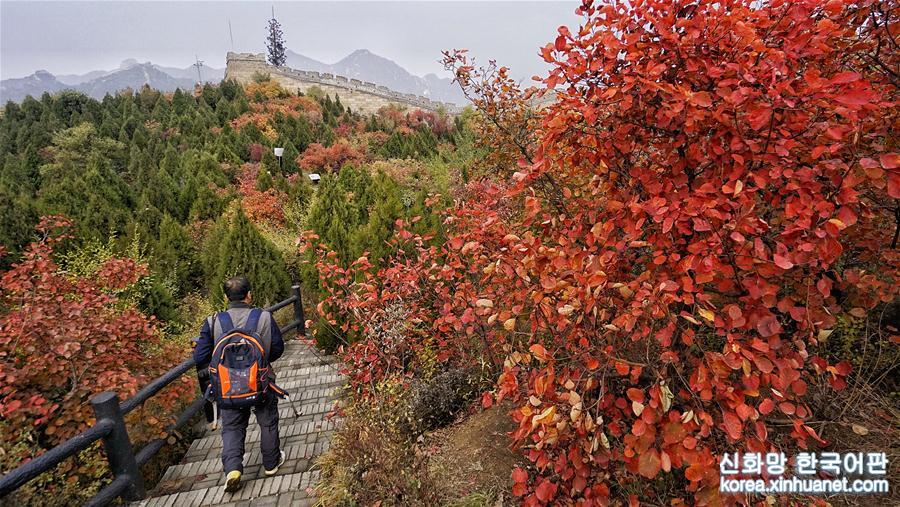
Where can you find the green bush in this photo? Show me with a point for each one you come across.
(235, 247)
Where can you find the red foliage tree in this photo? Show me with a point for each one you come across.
(262, 207)
(256, 152)
(704, 200)
(319, 158)
(63, 340)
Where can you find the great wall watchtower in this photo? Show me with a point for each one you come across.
(360, 96)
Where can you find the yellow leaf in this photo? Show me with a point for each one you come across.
(837, 223)
(666, 397)
(534, 400)
(690, 319)
(545, 417)
(824, 334)
(859, 429)
(484, 303)
(707, 314)
(575, 413)
(637, 407)
(509, 324)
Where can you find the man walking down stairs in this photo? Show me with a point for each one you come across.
(314, 384)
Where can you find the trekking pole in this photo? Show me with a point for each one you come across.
(291, 404)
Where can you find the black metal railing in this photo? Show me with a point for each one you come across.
(110, 428)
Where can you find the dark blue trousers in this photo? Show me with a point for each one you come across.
(234, 432)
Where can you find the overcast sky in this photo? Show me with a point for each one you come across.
(76, 37)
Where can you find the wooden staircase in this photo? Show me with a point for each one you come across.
(314, 384)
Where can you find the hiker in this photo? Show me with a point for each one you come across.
(228, 339)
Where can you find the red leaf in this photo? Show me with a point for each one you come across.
(732, 425)
(540, 353)
(545, 491)
(893, 185)
(702, 99)
(783, 262)
(768, 326)
(855, 97)
(694, 473)
(844, 78)
(890, 160)
(843, 368)
(487, 400)
(649, 463)
(519, 475)
(635, 395)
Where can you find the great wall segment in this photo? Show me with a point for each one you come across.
(364, 97)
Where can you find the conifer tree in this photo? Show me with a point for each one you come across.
(275, 42)
(236, 247)
(17, 219)
(175, 257)
(264, 179)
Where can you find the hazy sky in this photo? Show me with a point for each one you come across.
(76, 37)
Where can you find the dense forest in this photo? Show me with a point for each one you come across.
(134, 209)
(682, 244)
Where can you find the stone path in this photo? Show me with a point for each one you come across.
(198, 480)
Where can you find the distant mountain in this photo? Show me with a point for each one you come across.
(35, 85)
(75, 79)
(364, 65)
(97, 83)
(300, 62)
(134, 77)
(209, 74)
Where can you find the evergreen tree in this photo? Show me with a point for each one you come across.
(236, 247)
(264, 179)
(175, 257)
(275, 42)
(17, 220)
(84, 184)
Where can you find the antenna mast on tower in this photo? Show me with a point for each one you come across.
(231, 34)
(198, 65)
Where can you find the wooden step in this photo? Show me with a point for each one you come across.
(287, 489)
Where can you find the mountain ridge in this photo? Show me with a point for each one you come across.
(360, 64)
(365, 65)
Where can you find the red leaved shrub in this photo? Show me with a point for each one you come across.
(695, 212)
(63, 340)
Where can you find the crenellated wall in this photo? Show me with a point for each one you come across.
(360, 96)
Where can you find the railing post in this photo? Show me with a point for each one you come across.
(298, 310)
(117, 445)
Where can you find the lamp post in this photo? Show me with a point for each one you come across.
(279, 152)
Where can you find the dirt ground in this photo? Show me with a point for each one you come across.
(471, 461)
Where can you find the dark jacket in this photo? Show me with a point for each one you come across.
(267, 329)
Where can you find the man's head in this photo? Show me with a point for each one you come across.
(237, 289)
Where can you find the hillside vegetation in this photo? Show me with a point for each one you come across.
(122, 217)
(692, 252)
